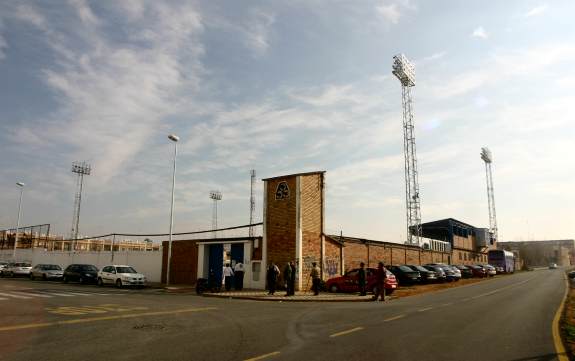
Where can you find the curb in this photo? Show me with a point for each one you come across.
(256, 298)
(556, 325)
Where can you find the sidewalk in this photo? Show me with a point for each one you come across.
(259, 295)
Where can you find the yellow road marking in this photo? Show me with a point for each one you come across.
(102, 318)
(393, 318)
(559, 347)
(346, 332)
(83, 310)
(425, 309)
(263, 356)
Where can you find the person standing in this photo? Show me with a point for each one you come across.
(361, 279)
(228, 276)
(292, 279)
(315, 278)
(239, 276)
(381, 276)
(288, 275)
(273, 273)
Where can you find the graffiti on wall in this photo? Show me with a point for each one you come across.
(330, 266)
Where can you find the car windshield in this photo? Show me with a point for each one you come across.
(88, 267)
(22, 265)
(420, 268)
(52, 267)
(405, 269)
(125, 270)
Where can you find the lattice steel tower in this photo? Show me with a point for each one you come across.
(252, 200)
(488, 159)
(215, 196)
(405, 72)
(81, 169)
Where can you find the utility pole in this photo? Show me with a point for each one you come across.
(488, 159)
(81, 169)
(215, 196)
(252, 201)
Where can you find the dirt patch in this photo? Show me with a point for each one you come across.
(405, 291)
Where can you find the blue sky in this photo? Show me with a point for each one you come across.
(285, 87)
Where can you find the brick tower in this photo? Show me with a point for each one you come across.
(294, 222)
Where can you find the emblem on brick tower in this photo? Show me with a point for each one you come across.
(282, 191)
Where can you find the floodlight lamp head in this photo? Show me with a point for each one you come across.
(486, 155)
(81, 168)
(20, 184)
(216, 195)
(403, 70)
(173, 137)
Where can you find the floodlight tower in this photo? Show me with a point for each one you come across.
(488, 159)
(81, 169)
(215, 196)
(405, 72)
(252, 200)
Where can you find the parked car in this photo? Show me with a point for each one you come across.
(121, 276)
(441, 276)
(466, 272)
(2, 265)
(553, 266)
(46, 272)
(490, 270)
(499, 269)
(83, 273)
(427, 276)
(451, 274)
(349, 282)
(17, 269)
(478, 271)
(405, 275)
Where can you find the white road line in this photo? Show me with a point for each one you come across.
(15, 296)
(59, 294)
(31, 294)
(78, 294)
(3, 299)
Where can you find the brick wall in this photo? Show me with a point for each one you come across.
(281, 224)
(332, 260)
(312, 218)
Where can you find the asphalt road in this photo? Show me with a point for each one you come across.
(506, 318)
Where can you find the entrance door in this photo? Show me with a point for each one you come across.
(216, 261)
(237, 252)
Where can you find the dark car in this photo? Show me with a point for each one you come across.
(466, 272)
(478, 271)
(405, 274)
(83, 273)
(441, 276)
(427, 276)
(349, 282)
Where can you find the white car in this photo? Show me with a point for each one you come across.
(121, 276)
(17, 269)
(553, 266)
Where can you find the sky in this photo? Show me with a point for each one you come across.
(285, 87)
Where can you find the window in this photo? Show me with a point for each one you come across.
(459, 255)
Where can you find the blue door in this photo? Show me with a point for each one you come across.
(216, 261)
(237, 252)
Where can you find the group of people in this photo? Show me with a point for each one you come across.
(234, 276)
(289, 277)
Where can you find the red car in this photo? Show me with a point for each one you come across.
(349, 282)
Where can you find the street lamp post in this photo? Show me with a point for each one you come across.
(21, 185)
(174, 138)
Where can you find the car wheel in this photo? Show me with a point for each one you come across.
(389, 291)
(119, 283)
(374, 290)
(44, 278)
(100, 282)
(81, 280)
(31, 277)
(333, 288)
(65, 279)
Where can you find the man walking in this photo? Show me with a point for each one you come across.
(228, 276)
(381, 276)
(239, 276)
(292, 279)
(288, 275)
(361, 279)
(315, 271)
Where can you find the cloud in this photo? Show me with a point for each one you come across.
(114, 97)
(538, 10)
(479, 32)
(389, 12)
(257, 30)
(3, 47)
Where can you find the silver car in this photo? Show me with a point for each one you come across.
(17, 269)
(46, 272)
